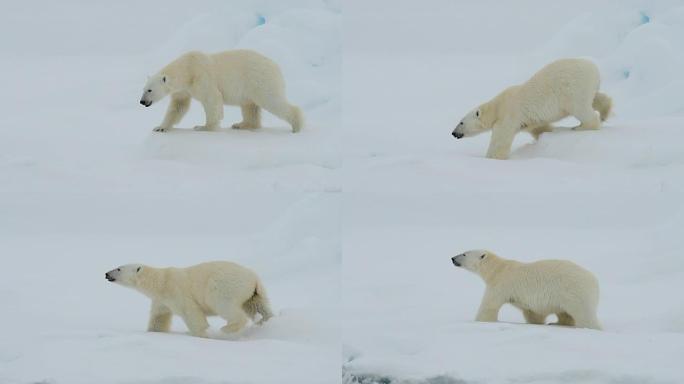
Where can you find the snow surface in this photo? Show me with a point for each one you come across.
(85, 186)
(413, 196)
(364, 207)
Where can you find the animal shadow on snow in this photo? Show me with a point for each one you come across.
(379, 379)
(264, 130)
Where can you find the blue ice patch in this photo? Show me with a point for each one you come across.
(261, 20)
(645, 19)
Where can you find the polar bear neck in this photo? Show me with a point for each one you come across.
(183, 71)
(492, 110)
(490, 113)
(151, 281)
(492, 266)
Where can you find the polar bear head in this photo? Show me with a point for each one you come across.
(126, 275)
(470, 125)
(480, 119)
(471, 260)
(156, 88)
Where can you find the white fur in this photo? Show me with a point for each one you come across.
(216, 288)
(238, 77)
(567, 87)
(538, 289)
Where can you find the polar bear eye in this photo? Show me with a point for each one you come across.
(477, 113)
(149, 90)
(137, 270)
(482, 257)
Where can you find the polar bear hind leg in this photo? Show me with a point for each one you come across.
(588, 117)
(603, 104)
(234, 316)
(251, 117)
(533, 318)
(564, 319)
(284, 110)
(257, 304)
(196, 321)
(583, 316)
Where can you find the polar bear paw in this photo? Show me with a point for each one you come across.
(245, 125)
(161, 129)
(232, 327)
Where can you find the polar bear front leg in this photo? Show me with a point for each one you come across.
(160, 318)
(212, 103)
(501, 141)
(537, 131)
(179, 105)
(195, 320)
(489, 308)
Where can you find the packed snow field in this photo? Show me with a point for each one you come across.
(609, 200)
(85, 186)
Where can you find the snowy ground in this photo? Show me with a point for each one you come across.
(85, 186)
(414, 196)
(364, 207)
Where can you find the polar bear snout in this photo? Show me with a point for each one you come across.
(457, 134)
(457, 259)
(113, 274)
(145, 103)
(109, 276)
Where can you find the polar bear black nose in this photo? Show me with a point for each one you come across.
(457, 135)
(142, 102)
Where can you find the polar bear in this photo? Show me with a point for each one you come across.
(215, 288)
(538, 289)
(239, 77)
(567, 87)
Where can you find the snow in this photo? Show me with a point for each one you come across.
(352, 222)
(413, 196)
(85, 186)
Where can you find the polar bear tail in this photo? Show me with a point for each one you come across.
(258, 303)
(603, 104)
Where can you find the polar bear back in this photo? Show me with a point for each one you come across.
(548, 284)
(241, 75)
(246, 75)
(549, 93)
(221, 280)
